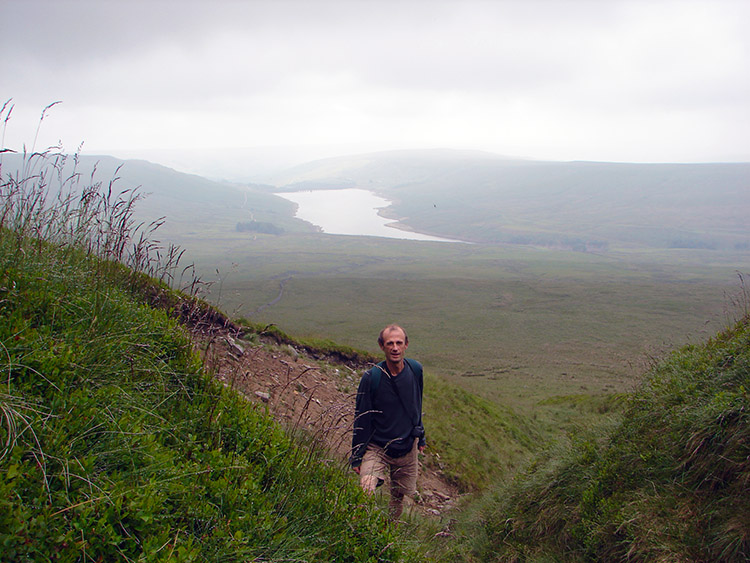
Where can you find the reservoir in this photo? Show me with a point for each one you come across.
(349, 211)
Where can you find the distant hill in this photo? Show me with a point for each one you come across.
(190, 203)
(483, 197)
(468, 195)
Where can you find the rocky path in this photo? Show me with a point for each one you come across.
(312, 397)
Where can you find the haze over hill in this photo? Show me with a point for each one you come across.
(474, 196)
(483, 197)
(190, 204)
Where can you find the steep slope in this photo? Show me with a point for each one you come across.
(116, 445)
(671, 482)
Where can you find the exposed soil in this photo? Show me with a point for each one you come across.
(309, 396)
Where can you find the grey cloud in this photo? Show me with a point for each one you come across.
(322, 69)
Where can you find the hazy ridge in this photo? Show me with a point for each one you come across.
(486, 198)
(474, 196)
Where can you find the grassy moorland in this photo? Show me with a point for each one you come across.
(511, 324)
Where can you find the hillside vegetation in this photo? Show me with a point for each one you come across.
(114, 445)
(670, 482)
(191, 204)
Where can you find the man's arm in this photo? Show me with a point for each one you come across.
(419, 376)
(362, 430)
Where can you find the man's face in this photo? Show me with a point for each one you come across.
(394, 345)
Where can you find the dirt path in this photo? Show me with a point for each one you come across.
(312, 397)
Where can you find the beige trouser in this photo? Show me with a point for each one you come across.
(376, 465)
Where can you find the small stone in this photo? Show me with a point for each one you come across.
(234, 346)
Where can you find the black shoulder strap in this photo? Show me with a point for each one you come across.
(416, 367)
(375, 373)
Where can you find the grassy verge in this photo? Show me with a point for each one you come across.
(476, 442)
(320, 349)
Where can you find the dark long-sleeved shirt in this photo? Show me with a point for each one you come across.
(385, 419)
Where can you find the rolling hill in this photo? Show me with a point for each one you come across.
(472, 196)
(482, 197)
(191, 204)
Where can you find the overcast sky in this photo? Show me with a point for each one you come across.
(642, 81)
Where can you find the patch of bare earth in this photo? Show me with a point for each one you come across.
(314, 397)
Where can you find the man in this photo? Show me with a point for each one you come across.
(388, 432)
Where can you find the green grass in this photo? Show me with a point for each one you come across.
(117, 446)
(666, 482)
(476, 442)
(114, 443)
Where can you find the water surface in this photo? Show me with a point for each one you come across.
(350, 211)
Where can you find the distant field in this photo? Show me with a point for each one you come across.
(512, 324)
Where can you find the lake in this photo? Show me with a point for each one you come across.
(350, 211)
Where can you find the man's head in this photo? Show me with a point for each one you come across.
(389, 328)
(394, 342)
